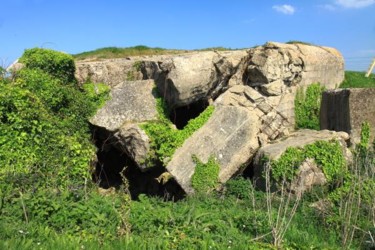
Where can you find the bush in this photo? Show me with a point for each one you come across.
(45, 159)
(57, 64)
(307, 107)
(239, 187)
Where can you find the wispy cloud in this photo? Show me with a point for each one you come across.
(329, 7)
(285, 9)
(354, 3)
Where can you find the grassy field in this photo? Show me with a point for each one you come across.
(115, 52)
(354, 79)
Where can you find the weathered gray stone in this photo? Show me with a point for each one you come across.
(308, 176)
(346, 110)
(131, 102)
(294, 64)
(274, 88)
(135, 142)
(14, 67)
(196, 76)
(230, 136)
(275, 119)
(116, 71)
(110, 72)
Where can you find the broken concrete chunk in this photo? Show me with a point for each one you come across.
(346, 110)
(274, 88)
(308, 175)
(196, 76)
(130, 102)
(294, 64)
(230, 135)
(134, 141)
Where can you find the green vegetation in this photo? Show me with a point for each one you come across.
(307, 106)
(215, 49)
(114, 52)
(206, 175)
(57, 64)
(46, 153)
(164, 138)
(328, 155)
(355, 79)
(299, 42)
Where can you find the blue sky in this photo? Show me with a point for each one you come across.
(75, 26)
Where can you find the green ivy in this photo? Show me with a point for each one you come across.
(165, 139)
(307, 106)
(98, 93)
(57, 64)
(287, 165)
(46, 154)
(206, 175)
(365, 135)
(44, 133)
(328, 155)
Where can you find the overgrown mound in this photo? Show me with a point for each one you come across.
(46, 152)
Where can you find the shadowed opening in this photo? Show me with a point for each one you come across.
(182, 115)
(111, 162)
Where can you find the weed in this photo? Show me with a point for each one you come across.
(206, 175)
(307, 106)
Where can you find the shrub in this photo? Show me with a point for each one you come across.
(57, 64)
(307, 107)
(239, 187)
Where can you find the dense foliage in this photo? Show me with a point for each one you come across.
(46, 152)
(307, 106)
(164, 138)
(57, 64)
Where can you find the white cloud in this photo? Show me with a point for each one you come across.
(285, 9)
(354, 3)
(329, 7)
